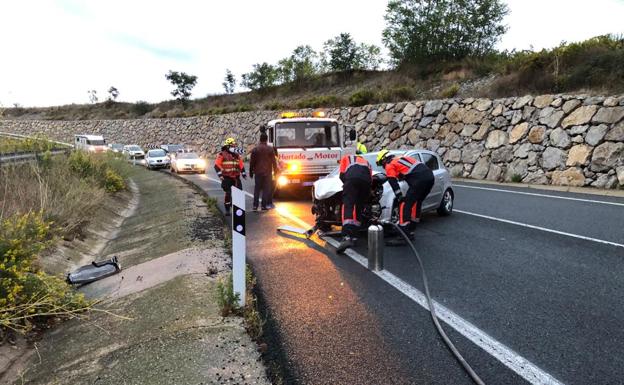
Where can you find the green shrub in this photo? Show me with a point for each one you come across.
(516, 178)
(363, 97)
(320, 101)
(81, 164)
(398, 94)
(243, 108)
(141, 108)
(593, 63)
(450, 91)
(113, 182)
(103, 169)
(27, 294)
(226, 298)
(275, 106)
(33, 144)
(217, 111)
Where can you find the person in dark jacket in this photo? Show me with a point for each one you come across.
(356, 175)
(420, 180)
(261, 166)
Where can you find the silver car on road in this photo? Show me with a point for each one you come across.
(440, 198)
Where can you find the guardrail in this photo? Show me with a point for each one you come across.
(28, 156)
(22, 156)
(9, 134)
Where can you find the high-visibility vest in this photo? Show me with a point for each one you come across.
(356, 166)
(229, 164)
(400, 166)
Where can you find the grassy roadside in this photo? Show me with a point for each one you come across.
(169, 217)
(9, 145)
(42, 203)
(171, 331)
(259, 323)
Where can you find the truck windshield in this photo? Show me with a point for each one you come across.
(96, 142)
(306, 134)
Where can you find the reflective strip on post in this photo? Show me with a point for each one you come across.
(238, 243)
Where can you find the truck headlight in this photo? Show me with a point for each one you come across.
(201, 163)
(293, 167)
(282, 181)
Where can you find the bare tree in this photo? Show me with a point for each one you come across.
(92, 96)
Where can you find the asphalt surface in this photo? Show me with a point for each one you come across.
(549, 294)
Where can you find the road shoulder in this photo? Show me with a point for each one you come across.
(570, 189)
(158, 321)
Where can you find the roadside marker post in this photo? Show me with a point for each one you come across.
(238, 244)
(375, 247)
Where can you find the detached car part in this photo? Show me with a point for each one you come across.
(94, 271)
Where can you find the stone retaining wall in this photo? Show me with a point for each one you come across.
(547, 139)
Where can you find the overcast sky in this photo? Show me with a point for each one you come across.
(54, 51)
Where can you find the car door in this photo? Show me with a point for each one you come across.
(433, 162)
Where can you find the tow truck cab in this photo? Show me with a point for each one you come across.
(308, 147)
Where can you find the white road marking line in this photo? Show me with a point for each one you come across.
(520, 365)
(505, 355)
(540, 195)
(540, 228)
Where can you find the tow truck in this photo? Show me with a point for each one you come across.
(308, 147)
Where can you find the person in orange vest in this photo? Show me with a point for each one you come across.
(420, 180)
(229, 166)
(356, 175)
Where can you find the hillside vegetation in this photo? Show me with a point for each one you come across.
(593, 66)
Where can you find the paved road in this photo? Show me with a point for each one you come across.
(530, 285)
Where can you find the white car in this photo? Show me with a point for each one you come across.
(116, 147)
(156, 159)
(133, 151)
(188, 162)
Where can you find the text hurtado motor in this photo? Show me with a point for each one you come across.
(308, 147)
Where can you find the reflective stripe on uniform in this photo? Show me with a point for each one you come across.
(405, 162)
(402, 221)
(230, 166)
(350, 221)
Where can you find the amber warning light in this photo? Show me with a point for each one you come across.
(293, 114)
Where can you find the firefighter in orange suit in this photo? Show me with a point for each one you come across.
(356, 175)
(420, 180)
(229, 166)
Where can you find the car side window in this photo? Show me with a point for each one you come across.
(430, 160)
(414, 155)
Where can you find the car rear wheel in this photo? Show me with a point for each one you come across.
(446, 206)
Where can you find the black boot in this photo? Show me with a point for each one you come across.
(347, 242)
